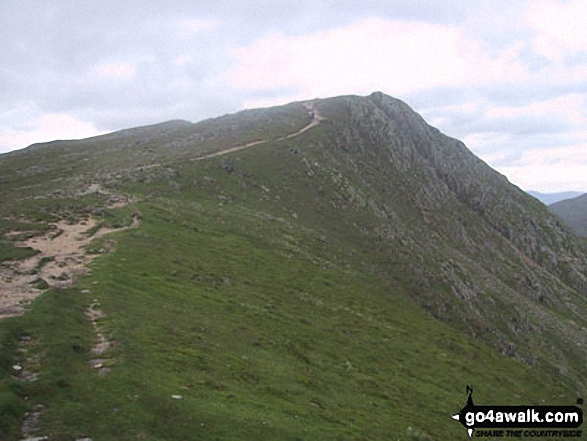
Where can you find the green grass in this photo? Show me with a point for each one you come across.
(8, 249)
(261, 339)
(10, 252)
(298, 290)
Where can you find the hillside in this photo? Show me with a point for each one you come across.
(333, 269)
(574, 213)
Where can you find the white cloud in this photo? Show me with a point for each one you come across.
(477, 141)
(46, 128)
(397, 57)
(182, 61)
(543, 161)
(568, 154)
(273, 101)
(548, 170)
(570, 105)
(115, 70)
(190, 26)
(547, 178)
(559, 26)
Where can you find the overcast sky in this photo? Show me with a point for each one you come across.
(509, 78)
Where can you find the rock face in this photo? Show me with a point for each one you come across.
(440, 175)
(574, 213)
(482, 253)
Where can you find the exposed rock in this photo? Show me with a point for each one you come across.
(30, 424)
(60, 261)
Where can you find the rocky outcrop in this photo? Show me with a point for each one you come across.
(483, 254)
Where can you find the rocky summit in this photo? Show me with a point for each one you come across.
(333, 269)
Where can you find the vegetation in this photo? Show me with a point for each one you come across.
(260, 343)
(300, 289)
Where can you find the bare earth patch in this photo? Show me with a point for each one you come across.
(61, 259)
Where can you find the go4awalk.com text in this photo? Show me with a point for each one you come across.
(520, 421)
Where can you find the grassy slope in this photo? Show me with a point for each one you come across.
(262, 340)
(249, 290)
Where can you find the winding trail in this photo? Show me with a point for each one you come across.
(315, 120)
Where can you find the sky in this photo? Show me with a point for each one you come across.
(508, 78)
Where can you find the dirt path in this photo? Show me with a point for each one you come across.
(315, 120)
(61, 259)
(103, 344)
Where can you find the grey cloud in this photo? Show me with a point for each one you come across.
(442, 104)
(510, 95)
(51, 52)
(67, 38)
(505, 137)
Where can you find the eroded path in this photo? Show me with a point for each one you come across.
(103, 343)
(60, 260)
(315, 119)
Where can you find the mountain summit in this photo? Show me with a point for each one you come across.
(319, 270)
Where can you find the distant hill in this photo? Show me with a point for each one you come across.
(334, 269)
(574, 213)
(551, 198)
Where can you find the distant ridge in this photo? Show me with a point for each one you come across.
(551, 198)
(574, 213)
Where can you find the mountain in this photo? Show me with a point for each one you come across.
(551, 198)
(329, 269)
(574, 213)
